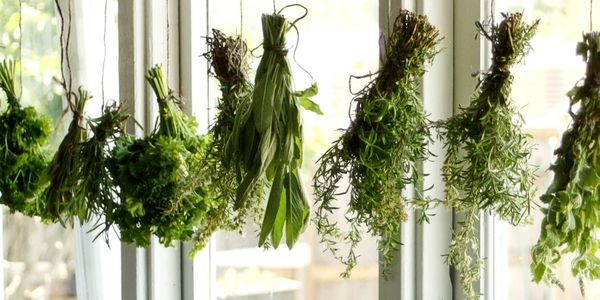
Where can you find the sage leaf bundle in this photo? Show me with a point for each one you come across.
(160, 189)
(378, 153)
(24, 148)
(63, 201)
(267, 140)
(228, 57)
(572, 201)
(486, 165)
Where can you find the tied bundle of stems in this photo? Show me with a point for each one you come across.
(228, 57)
(161, 190)
(378, 153)
(97, 184)
(63, 200)
(24, 151)
(486, 165)
(572, 201)
(267, 140)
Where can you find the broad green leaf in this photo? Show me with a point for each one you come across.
(272, 209)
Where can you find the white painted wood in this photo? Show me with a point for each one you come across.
(433, 280)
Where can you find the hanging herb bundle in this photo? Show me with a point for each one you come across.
(63, 200)
(228, 58)
(486, 165)
(97, 184)
(161, 193)
(571, 214)
(379, 151)
(24, 151)
(266, 140)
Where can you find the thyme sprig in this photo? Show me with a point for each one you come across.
(24, 149)
(486, 166)
(228, 57)
(380, 150)
(571, 203)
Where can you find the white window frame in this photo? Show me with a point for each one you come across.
(419, 272)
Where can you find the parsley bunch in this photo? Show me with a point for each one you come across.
(23, 150)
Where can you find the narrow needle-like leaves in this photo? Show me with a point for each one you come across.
(486, 167)
(378, 153)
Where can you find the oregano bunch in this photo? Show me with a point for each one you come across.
(24, 136)
(379, 152)
(572, 201)
(486, 167)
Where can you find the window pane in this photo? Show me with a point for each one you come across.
(540, 88)
(338, 38)
(39, 259)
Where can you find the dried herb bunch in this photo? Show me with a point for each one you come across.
(161, 190)
(572, 201)
(486, 165)
(24, 149)
(97, 184)
(378, 153)
(63, 200)
(228, 57)
(267, 140)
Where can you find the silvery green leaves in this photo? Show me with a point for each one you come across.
(571, 202)
(486, 168)
(379, 152)
(267, 139)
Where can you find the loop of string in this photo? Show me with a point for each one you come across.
(20, 49)
(104, 53)
(274, 6)
(64, 48)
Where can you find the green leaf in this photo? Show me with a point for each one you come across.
(272, 209)
(304, 99)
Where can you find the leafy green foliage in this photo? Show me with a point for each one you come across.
(228, 57)
(24, 148)
(62, 199)
(486, 165)
(161, 189)
(571, 214)
(379, 151)
(267, 141)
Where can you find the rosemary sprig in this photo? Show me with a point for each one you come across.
(24, 149)
(379, 151)
(486, 167)
(572, 201)
(63, 200)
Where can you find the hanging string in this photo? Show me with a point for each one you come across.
(168, 43)
(591, 14)
(67, 48)
(241, 18)
(20, 49)
(274, 6)
(64, 58)
(104, 53)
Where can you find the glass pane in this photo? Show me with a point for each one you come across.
(338, 38)
(540, 88)
(39, 259)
